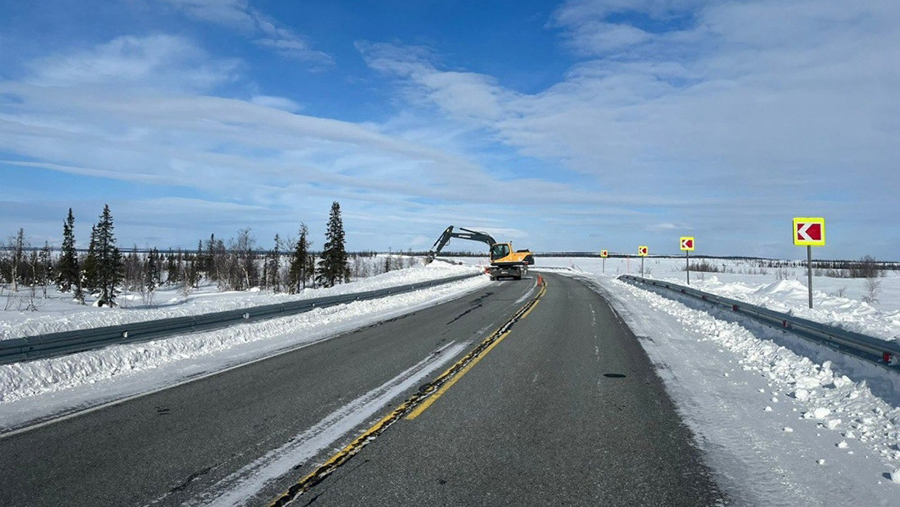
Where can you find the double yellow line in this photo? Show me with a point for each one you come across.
(414, 405)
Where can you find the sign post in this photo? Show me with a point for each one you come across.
(687, 245)
(643, 252)
(603, 255)
(809, 232)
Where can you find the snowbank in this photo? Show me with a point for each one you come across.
(34, 390)
(837, 301)
(783, 421)
(59, 313)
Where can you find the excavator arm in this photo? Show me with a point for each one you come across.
(469, 234)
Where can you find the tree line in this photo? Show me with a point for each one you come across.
(103, 271)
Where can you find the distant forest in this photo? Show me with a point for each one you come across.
(103, 270)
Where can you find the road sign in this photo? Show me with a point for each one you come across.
(643, 251)
(687, 243)
(604, 253)
(809, 231)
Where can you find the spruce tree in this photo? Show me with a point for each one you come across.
(151, 272)
(195, 273)
(273, 267)
(210, 267)
(68, 272)
(333, 267)
(171, 268)
(89, 267)
(299, 270)
(109, 259)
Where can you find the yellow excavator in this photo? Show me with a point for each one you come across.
(504, 261)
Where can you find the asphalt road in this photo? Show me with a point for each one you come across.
(565, 410)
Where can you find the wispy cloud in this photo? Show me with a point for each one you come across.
(263, 30)
(282, 103)
(155, 122)
(157, 61)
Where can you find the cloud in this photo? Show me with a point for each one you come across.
(462, 94)
(776, 107)
(282, 103)
(232, 13)
(158, 61)
(263, 30)
(156, 125)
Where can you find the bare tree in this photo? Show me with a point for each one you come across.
(873, 287)
(243, 272)
(45, 266)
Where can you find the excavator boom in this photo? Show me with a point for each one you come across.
(467, 234)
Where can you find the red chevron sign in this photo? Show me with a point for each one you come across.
(809, 231)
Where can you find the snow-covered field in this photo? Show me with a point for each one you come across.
(783, 421)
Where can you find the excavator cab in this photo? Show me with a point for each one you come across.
(499, 251)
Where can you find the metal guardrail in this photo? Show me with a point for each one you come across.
(69, 342)
(882, 352)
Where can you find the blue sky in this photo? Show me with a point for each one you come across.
(567, 126)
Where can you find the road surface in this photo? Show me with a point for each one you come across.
(564, 409)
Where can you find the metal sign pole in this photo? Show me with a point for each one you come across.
(809, 232)
(642, 267)
(687, 256)
(809, 271)
(604, 265)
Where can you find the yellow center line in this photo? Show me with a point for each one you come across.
(440, 392)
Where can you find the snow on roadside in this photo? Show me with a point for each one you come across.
(34, 390)
(778, 427)
(792, 297)
(63, 315)
(772, 291)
